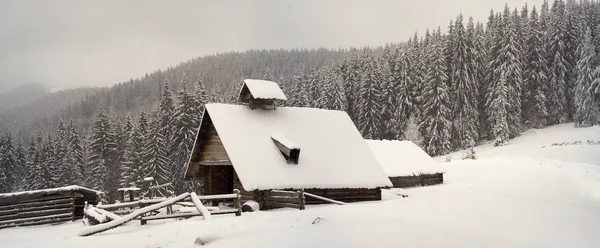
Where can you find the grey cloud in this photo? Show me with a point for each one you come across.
(84, 43)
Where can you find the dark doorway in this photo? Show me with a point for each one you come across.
(221, 180)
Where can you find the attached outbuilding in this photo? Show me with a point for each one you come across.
(259, 148)
(45, 206)
(406, 164)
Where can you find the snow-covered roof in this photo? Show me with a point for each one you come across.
(35, 193)
(262, 89)
(403, 158)
(334, 154)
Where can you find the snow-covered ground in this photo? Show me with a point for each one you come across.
(521, 195)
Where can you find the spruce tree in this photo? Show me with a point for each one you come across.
(127, 166)
(436, 110)
(587, 111)
(497, 110)
(102, 148)
(535, 71)
(558, 67)
(464, 89)
(186, 125)
(61, 150)
(75, 155)
(369, 105)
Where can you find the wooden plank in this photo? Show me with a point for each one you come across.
(281, 193)
(54, 206)
(36, 204)
(224, 211)
(46, 198)
(23, 220)
(324, 199)
(44, 212)
(282, 199)
(215, 162)
(41, 222)
(281, 205)
(170, 216)
(214, 197)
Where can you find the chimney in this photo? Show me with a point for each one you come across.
(260, 94)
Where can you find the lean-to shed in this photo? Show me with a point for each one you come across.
(258, 147)
(406, 164)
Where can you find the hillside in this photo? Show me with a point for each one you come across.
(21, 95)
(513, 196)
(220, 73)
(32, 113)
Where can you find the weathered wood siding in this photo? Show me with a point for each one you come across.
(344, 195)
(413, 181)
(208, 151)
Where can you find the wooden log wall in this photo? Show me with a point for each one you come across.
(283, 199)
(38, 211)
(344, 195)
(413, 181)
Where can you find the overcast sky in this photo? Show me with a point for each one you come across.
(96, 43)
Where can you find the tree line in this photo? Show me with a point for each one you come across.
(116, 154)
(447, 91)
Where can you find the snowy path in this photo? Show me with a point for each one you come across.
(503, 199)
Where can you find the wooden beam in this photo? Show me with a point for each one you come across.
(215, 162)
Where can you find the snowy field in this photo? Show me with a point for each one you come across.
(528, 194)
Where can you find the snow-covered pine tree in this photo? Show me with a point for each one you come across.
(50, 162)
(186, 125)
(464, 89)
(351, 76)
(161, 135)
(412, 132)
(74, 158)
(497, 110)
(63, 172)
(7, 164)
(535, 72)
(126, 165)
(510, 64)
(404, 90)
(369, 92)
(156, 153)
(32, 179)
(481, 66)
(587, 109)
(558, 66)
(390, 92)
(572, 19)
(326, 92)
(436, 110)
(21, 170)
(101, 148)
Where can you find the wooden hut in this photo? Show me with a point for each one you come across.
(406, 164)
(258, 147)
(45, 206)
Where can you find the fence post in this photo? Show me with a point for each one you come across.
(301, 199)
(237, 202)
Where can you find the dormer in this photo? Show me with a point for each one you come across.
(260, 94)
